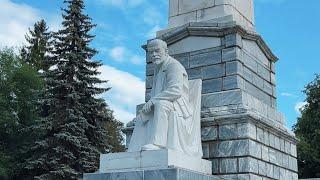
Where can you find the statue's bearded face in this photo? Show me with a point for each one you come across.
(158, 54)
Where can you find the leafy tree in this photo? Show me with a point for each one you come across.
(307, 130)
(36, 53)
(73, 133)
(19, 88)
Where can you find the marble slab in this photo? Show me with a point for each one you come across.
(157, 174)
(150, 160)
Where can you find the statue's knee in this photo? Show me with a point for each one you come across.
(162, 104)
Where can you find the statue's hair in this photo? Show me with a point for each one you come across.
(156, 42)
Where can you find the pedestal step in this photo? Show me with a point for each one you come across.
(152, 160)
(159, 174)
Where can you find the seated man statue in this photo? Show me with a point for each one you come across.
(167, 120)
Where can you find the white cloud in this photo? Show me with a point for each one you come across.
(151, 16)
(16, 18)
(287, 94)
(300, 106)
(126, 92)
(135, 59)
(117, 53)
(153, 32)
(122, 54)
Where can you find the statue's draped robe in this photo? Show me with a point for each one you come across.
(174, 122)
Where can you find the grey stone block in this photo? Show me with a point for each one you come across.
(232, 82)
(231, 54)
(272, 156)
(212, 85)
(283, 174)
(285, 160)
(262, 168)
(209, 133)
(233, 68)
(269, 170)
(228, 165)
(213, 149)
(215, 166)
(233, 148)
(293, 164)
(277, 142)
(248, 74)
(228, 131)
(167, 174)
(260, 135)
(255, 149)
(266, 137)
(205, 59)
(194, 73)
(273, 78)
(214, 71)
(246, 130)
(250, 62)
(276, 172)
(205, 150)
(287, 147)
(265, 153)
(149, 81)
(248, 165)
(273, 67)
(271, 140)
(282, 145)
(229, 177)
(258, 81)
(233, 40)
(184, 60)
(222, 99)
(267, 87)
(279, 158)
(263, 72)
(293, 150)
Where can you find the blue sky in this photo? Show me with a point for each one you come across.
(290, 28)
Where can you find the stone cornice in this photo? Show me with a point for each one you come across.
(214, 30)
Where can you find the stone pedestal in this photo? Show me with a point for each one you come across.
(159, 174)
(152, 160)
(242, 131)
(152, 165)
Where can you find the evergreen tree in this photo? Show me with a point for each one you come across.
(307, 130)
(36, 53)
(73, 134)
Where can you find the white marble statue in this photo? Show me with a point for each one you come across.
(171, 118)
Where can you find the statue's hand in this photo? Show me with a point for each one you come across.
(147, 107)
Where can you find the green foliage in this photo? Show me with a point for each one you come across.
(36, 53)
(307, 130)
(19, 88)
(73, 133)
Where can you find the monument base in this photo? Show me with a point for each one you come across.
(152, 160)
(158, 174)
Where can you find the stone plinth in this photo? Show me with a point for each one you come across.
(243, 134)
(152, 160)
(159, 174)
(184, 11)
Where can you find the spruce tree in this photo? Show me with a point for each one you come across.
(73, 134)
(36, 52)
